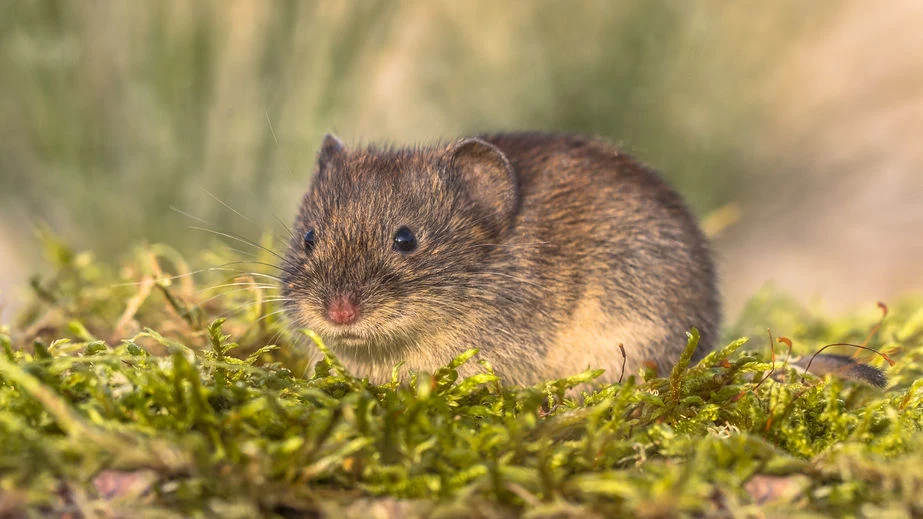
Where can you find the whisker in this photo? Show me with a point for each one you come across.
(193, 273)
(238, 213)
(288, 168)
(189, 215)
(275, 139)
(220, 201)
(227, 293)
(257, 274)
(285, 227)
(247, 241)
(232, 236)
(249, 284)
(277, 312)
(278, 300)
(247, 306)
(240, 252)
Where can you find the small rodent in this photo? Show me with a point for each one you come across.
(545, 251)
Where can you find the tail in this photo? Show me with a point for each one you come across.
(844, 367)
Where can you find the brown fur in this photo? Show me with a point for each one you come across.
(545, 251)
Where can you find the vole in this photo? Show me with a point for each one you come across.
(545, 251)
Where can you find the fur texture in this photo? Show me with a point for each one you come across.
(545, 251)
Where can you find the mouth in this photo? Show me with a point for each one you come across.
(368, 345)
(348, 338)
(368, 334)
(354, 340)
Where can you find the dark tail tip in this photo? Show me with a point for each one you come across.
(870, 374)
(844, 367)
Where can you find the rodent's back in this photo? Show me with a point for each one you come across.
(621, 259)
(545, 251)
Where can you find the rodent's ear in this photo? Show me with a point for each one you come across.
(488, 176)
(330, 148)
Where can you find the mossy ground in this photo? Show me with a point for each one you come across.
(153, 389)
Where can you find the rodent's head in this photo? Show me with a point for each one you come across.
(390, 245)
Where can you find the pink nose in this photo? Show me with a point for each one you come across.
(342, 310)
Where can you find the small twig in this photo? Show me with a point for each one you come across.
(874, 331)
(772, 349)
(624, 361)
(134, 304)
(772, 369)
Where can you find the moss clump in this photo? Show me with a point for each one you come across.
(137, 392)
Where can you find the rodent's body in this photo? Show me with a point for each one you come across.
(544, 251)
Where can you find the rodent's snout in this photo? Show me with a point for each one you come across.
(343, 309)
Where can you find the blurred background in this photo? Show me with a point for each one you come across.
(794, 129)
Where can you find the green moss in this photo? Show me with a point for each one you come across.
(137, 391)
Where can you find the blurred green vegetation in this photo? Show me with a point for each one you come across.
(112, 113)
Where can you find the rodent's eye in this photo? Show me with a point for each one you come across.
(309, 240)
(404, 240)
